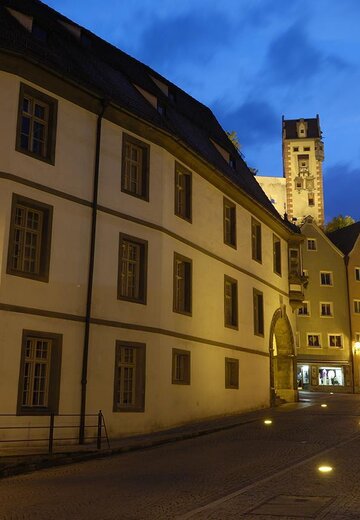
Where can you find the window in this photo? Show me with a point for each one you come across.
(311, 244)
(39, 381)
(295, 149)
(304, 310)
(357, 306)
(294, 263)
(135, 167)
(326, 309)
(132, 269)
(306, 148)
(231, 373)
(230, 302)
(310, 185)
(311, 199)
(36, 127)
(313, 340)
(357, 337)
(258, 313)
(182, 284)
(229, 223)
(129, 380)
(29, 239)
(357, 274)
(180, 367)
(326, 278)
(305, 272)
(277, 255)
(182, 192)
(298, 183)
(256, 240)
(335, 340)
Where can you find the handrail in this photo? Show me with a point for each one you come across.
(101, 431)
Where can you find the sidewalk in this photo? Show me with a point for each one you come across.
(15, 461)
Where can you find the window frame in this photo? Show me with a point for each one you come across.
(232, 240)
(140, 377)
(142, 271)
(186, 354)
(44, 248)
(331, 307)
(52, 106)
(54, 377)
(336, 335)
(313, 334)
(187, 310)
(356, 303)
(277, 257)
(308, 315)
(234, 324)
(256, 240)
(310, 239)
(145, 167)
(331, 284)
(229, 384)
(259, 315)
(357, 272)
(187, 213)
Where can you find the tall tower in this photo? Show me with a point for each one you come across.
(303, 154)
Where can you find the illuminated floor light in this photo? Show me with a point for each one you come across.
(268, 421)
(325, 469)
(324, 406)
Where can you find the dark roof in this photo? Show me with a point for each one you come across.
(313, 128)
(110, 73)
(345, 238)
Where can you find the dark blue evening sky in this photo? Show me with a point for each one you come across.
(252, 61)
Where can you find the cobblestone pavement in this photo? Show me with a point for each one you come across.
(250, 471)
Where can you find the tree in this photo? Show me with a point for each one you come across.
(338, 222)
(234, 139)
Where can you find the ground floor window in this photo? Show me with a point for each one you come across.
(129, 381)
(39, 381)
(331, 376)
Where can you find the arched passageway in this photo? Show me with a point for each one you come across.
(282, 359)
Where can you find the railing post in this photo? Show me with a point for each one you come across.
(99, 430)
(51, 432)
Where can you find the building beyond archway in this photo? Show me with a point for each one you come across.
(282, 359)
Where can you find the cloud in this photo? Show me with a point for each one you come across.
(255, 122)
(342, 190)
(292, 58)
(191, 37)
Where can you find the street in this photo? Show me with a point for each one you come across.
(252, 471)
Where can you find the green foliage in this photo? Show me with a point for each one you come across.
(234, 139)
(338, 222)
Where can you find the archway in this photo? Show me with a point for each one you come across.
(282, 359)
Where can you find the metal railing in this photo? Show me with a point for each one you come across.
(99, 426)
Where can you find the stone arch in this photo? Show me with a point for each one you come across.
(282, 358)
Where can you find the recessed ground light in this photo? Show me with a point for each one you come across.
(331, 393)
(325, 469)
(268, 421)
(324, 406)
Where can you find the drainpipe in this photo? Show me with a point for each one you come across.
(346, 260)
(91, 274)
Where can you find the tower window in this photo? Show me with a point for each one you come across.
(295, 149)
(311, 199)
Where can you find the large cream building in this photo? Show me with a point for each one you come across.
(143, 271)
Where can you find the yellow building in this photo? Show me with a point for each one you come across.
(324, 350)
(143, 271)
(347, 240)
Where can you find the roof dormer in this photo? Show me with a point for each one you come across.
(301, 128)
(25, 20)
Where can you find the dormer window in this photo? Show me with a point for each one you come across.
(161, 109)
(301, 127)
(39, 32)
(232, 163)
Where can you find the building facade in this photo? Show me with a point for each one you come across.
(347, 240)
(324, 348)
(143, 271)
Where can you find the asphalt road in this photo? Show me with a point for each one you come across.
(253, 471)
